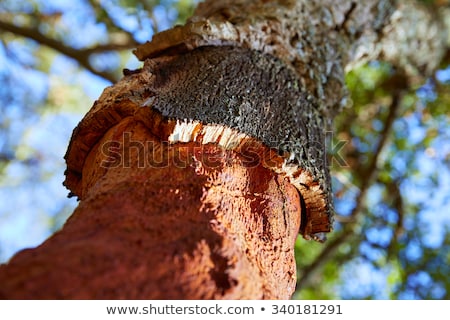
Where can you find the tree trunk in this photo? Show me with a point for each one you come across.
(181, 220)
(196, 172)
(175, 229)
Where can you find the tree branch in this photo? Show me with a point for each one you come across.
(81, 56)
(369, 174)
(151, 16)
(6, 157)
(110, 47)
(97, 6)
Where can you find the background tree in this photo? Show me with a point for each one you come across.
(390, 177)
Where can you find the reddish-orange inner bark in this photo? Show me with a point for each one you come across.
(160, 221)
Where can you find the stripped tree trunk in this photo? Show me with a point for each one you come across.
(196, 172)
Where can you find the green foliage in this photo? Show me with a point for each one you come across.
(397, 245)
(391, 235)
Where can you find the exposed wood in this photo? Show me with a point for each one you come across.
(196, 172)
(194, 223)
(240, 93)
(178, 210)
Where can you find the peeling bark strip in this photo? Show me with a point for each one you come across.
(196, 172)
(226, 96)
(318, 40)
(207, 226)
(174, 209)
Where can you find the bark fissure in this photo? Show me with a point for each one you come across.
(196, 172)
(268, 94)
(319, 39)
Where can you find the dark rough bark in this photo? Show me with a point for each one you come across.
(251, 93)
(319, 39)
(167, 219)
(196, 172)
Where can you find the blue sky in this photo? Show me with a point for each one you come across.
(31, 192)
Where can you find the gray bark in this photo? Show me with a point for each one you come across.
(320, 41)
(223, 230)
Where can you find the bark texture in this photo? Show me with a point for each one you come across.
(164, 217)
(196, 172)
(252, 94)
(196, 224)
(319, 39)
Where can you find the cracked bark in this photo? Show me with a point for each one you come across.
(167, 232)
(196, 172)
